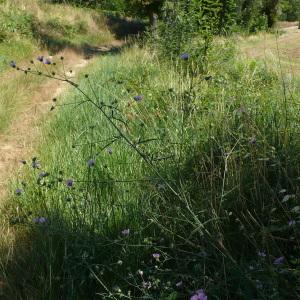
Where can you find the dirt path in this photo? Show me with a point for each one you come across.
(22, 136)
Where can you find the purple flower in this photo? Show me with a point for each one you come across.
(138, 98)
(69, 182)
(125, 232)
(40, 58)
(39, 220)
(109, 150)
(35, 163)
(292, 223)
(184, 56)
(43, 175)
(156, 256)
(47, 61)
(13, 64)
(279, 261)
(261, 254)
(42, 220)
(19, 192)
(199, 295)
(91, 162)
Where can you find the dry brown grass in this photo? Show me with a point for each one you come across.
(283, 47)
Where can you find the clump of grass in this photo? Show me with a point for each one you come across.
(159, 181)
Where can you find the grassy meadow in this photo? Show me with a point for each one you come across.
(29, 29)
(158, 178)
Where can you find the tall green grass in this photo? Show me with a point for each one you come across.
(194, 187)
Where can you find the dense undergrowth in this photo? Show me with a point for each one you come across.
(164, 179)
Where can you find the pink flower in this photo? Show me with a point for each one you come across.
(199, 295)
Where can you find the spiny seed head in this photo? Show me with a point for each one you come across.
(91, 162)
(53, 73)
(54, 99)
(52, 108)
(40, 58)
(61, 58)
(13, 64)
(69, 182)
(19, 192)
(32, 62)
(47, 61)
(35, 164)
(86, 75)
(23, 162)
(43, 174)
(138, 98)
(184, 56)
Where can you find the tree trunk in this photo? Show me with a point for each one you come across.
(153, 17)
(271, 11)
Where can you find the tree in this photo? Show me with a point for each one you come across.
(227, 15)
(289, 10)
(271, 11)
(149, 8)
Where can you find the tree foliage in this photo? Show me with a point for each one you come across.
(252, 15)
(289, 10)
